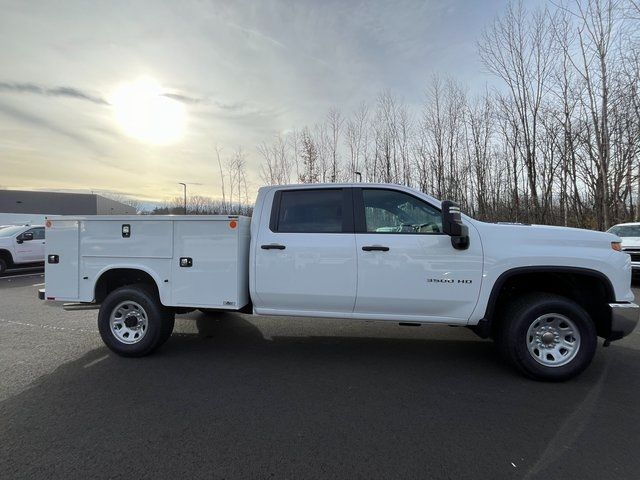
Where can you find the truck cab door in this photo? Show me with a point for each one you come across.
(407, 267)
(305, 256)
(38, 244)
(25, 247)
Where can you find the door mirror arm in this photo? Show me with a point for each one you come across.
(452, 225)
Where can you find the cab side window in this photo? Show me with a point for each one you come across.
(310, 211)
(391, 211)
(38, 233)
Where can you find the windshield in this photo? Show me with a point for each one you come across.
(625, 230)
(10, 231)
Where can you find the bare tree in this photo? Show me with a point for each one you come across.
(277, 166)
(309, 154)
(518, 48)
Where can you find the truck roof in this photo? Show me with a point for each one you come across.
(349, 185)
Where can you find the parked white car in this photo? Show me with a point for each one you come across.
(629, 233)
(354, 251)
(21, 244)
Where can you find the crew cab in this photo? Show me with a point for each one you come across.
(351, 251)
(21, 245)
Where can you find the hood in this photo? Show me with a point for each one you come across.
(630, 242)
(546, 234)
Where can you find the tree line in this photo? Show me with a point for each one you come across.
(557, 141)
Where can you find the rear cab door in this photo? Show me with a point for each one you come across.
(38, 244)
(304, 253)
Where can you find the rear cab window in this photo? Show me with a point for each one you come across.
(322, 210)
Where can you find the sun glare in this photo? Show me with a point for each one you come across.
(144, 112)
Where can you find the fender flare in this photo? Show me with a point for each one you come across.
(126, 266)
(4, 251)
(483, 328)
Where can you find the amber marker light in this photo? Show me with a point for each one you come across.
(617, 246)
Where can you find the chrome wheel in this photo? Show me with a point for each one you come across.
(553, 340)
(128, 322)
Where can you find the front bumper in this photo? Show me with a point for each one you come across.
(624, 318)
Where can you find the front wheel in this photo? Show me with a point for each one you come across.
(3, 265)
(133, 322)
(547, 337)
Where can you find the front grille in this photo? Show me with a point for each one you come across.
(634, 254)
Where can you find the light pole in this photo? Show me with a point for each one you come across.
(184, 186)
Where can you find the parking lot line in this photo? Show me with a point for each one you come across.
(90, 364)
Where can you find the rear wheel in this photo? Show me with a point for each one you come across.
(133, 322)
(547, 337)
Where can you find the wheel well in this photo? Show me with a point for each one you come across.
(589, 289)
(6, 256)
(119, 277)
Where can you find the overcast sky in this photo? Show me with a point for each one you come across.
(241, 72)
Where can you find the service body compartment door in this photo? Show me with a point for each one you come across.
(61, 271)
(209, 273)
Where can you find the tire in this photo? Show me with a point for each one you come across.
(132, 321)
(547, 336)
(3, 265)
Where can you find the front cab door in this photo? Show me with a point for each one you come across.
(407, 267)
(29, 246)
(305, 261)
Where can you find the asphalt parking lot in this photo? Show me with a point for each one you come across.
(242, 397)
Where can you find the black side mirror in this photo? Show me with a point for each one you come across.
(452, 225)
(25, 237)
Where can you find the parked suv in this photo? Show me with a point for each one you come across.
(21, 244)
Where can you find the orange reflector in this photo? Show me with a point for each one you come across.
(48, 224)
(233, 224)
(617, 246)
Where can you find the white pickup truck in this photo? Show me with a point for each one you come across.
(21, 245)
(353, 251)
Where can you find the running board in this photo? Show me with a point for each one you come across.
(80, 306)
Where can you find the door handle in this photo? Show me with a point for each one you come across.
(375, 248)
(272, 246)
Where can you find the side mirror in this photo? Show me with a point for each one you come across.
(25, 237)
(452, 225)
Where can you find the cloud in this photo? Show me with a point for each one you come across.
(237, 108)
(37, 121)
(185, 98)
(64, 91)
